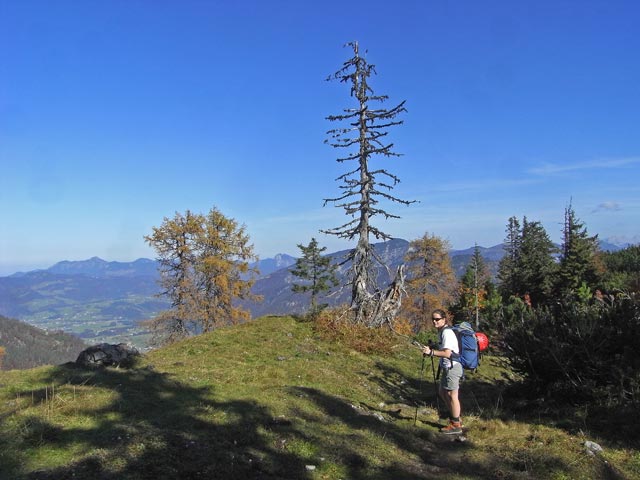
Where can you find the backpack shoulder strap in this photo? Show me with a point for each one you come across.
(454, 356)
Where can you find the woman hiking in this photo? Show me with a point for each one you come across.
(451, 370)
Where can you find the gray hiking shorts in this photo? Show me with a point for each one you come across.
(450, 379)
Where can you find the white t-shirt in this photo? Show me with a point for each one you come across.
(448, 340)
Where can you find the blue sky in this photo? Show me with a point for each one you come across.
(115, 115)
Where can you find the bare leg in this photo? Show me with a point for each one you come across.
(450, 398)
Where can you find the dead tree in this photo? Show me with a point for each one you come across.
(362, 136)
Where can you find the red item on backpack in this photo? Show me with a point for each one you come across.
(483, 341)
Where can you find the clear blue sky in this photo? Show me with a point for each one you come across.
(116, 114)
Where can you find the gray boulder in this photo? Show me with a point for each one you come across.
(105, 354)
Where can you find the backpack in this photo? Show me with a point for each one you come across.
(469, 356)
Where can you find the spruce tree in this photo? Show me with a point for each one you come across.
(579, 261)
(473, 289)
(508, 269)
(528, 267)
(537, 267)
(317, 271)
(362, 135)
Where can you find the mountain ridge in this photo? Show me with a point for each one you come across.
(99, 300)
(96, 266)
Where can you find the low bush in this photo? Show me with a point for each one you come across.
(580, 352)
(337, 325)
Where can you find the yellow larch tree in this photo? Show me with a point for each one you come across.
(431, 282)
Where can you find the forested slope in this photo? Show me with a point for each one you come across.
(27, 347)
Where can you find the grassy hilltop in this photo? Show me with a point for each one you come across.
(271, 400)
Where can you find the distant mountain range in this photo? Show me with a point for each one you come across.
(142, 267)
(105, 301)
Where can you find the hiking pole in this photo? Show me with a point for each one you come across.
(435, 385)
(415, 418)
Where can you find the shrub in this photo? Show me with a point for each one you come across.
(337, 325)
(578, 351)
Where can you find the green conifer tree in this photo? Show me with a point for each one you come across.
(623, 269)
(508, 273)
(537, 267)
(579, 262)
(317, 271)
(472, 290)
(528, 268)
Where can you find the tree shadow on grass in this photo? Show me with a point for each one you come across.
(506, 400)
(477, 396)
(428, 453)
(146, 426)
(141, 424)
(617, 425)
(438, 453)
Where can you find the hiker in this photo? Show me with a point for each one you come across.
(451, 370)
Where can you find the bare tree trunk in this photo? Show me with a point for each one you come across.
(387, 303)
(360, 294)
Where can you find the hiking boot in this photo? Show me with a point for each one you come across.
(445, 419)
(454, 428)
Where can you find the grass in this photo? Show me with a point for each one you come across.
(269, 399)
